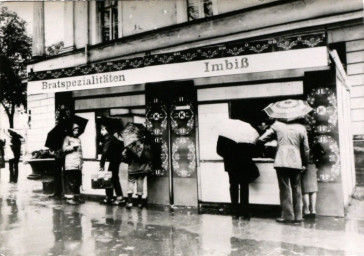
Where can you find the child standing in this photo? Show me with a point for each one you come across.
(73, 165)
(138, 156)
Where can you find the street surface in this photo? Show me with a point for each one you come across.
(33, 224)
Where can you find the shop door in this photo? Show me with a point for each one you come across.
(170, 119)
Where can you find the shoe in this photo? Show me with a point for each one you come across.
(281, 220)
(80, 200)
(107, 201)
(129, 205)
(119, 202)
(313, 215)
(71, 202)
(298, 221)
(55, 196)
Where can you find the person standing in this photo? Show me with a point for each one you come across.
(309, 183)
(2, 154)
(291, 159)
(112, 149)
(57, 175)
(138, 157)
(73, 165)
(241, 169)
(15, 145)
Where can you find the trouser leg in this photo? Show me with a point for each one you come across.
(244, 199)
(78, 182)
(295, 181)
(16, 171)
(285, 194)
(11, 170)
(115, 179)
(234, 193)
(140, 184)
(73, 182)
(131, 183)
(58, 176)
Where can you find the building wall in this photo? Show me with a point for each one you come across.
(81, 28)
(141, 16)
(42, 119)
(353, 37)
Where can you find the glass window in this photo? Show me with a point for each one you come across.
(108, 11)
(198, 9)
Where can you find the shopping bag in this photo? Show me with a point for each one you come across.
(101, 180)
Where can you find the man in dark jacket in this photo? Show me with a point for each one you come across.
(112, 149)
(242, 171)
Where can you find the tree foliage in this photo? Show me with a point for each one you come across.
(15, 50)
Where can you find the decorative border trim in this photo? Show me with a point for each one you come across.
(209, 52)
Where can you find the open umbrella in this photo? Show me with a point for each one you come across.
(56, 136)
(238, 131)
(14, 133)
(133, 132)
(288, 110)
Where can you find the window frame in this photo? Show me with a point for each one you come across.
(111, 7)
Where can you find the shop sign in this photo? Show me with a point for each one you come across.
(292, 59)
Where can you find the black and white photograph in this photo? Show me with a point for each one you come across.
(182, 127)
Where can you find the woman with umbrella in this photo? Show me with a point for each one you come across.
(55, 140)
(73, 164)
(236, 145)
(292, 154)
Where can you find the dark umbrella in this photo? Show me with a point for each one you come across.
(56, 136)
(14, 133)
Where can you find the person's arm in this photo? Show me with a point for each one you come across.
(66, 147)
(105, 149)
(267, 136)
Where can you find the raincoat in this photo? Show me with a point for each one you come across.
(292, 150)
(73, 158)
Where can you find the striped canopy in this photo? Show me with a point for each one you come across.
(288, 110)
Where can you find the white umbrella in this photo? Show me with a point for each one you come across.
(238, 131)
(288, 110)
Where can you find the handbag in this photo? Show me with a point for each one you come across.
(102, 180)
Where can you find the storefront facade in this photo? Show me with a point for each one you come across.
(181, 81)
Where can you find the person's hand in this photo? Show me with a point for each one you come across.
(124, 154)
(303, 168)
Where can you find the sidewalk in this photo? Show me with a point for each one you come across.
(32, 224)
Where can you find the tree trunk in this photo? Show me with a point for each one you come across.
(11, 120)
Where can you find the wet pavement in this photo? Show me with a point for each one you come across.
(32, 224)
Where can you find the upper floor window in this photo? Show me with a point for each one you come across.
(198, 9)
(108, 11)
